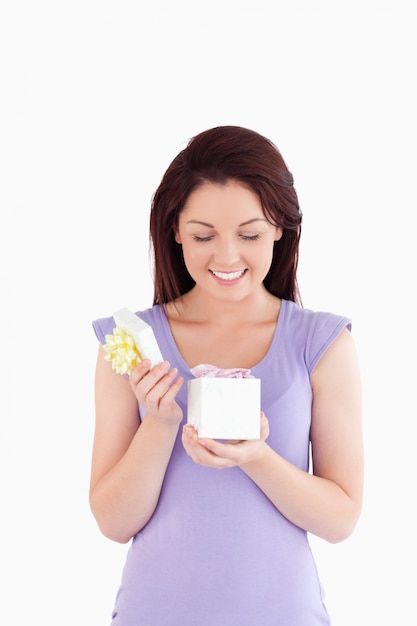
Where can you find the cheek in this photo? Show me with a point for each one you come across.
(193, 256)
(264, 255)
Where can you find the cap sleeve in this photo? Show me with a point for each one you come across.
(326, 329)
(102, 327)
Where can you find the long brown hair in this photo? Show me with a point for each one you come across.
(218, 155)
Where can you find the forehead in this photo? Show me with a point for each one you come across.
(230, 195)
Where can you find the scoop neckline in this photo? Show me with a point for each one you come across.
(260, 366)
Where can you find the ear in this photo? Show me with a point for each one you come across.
(278, 233)
(177, 236)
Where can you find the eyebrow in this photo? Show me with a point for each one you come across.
(255, 219)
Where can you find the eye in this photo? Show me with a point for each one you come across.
(250, 237)
(202, 239)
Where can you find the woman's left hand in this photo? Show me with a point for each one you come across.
(214, 453)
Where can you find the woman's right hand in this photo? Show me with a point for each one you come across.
(156, 389)
(130, 451)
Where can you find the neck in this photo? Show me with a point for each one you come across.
(197, 306)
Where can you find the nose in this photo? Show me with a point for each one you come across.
(226, 253)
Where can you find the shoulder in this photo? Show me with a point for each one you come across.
(308, 317)
(152, 316)
(313, 330)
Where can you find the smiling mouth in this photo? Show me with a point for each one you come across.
(228, 275)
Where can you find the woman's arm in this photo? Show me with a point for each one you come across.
(326, 503)
(129, 456)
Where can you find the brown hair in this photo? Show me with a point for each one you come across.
(218, 155)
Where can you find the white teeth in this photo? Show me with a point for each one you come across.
(229, 275)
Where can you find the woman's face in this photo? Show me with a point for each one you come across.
(227, 241)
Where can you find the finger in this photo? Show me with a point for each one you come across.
(264, 427)
(162, 392)
(169, 393)
(188, 437)
(201, 454)
(143, 379)
(229, 450)
(139, 372)
(192, 446)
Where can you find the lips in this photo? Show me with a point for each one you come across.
(228, 275)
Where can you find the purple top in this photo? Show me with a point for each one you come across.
(216, 551)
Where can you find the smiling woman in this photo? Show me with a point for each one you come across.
(228, 547)
(226, 154)
(226, 239)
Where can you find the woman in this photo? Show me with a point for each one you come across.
(228, 548)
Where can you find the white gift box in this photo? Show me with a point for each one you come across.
(142, 334)
(225, 408)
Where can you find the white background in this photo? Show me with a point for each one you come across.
(96, 100)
